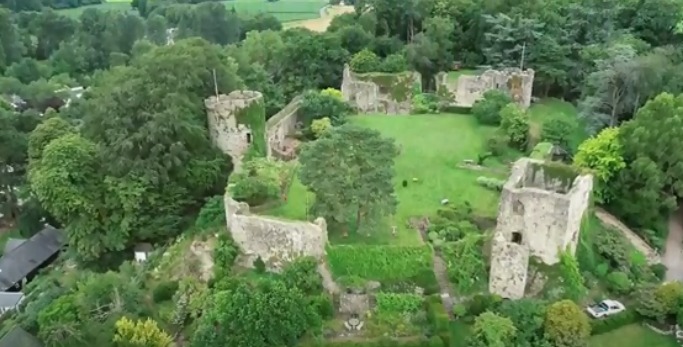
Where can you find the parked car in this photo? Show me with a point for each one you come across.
(605, 308)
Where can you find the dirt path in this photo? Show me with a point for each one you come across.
(440, 269)
(321, 24)
(673, 253)
(637, 242)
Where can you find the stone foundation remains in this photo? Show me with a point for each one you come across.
(467, 89)
(380, 92)
(279, 131)
(541, 210)
(276, 241)
(236, 122)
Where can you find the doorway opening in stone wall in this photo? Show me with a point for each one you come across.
(517, 237)
(248, 138)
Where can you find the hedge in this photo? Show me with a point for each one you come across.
(381, 263)
(605, 325)
(385, 342)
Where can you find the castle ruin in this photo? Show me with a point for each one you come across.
(236, 123)
(467, 89)
(277, 242)
(389, 93)
(279, 131)
(541, 210)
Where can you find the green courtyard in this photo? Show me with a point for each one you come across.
(432, 147)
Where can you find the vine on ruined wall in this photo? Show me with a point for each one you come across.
(253, 116)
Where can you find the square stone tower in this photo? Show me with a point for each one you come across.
(540, 213)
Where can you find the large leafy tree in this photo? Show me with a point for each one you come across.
(602, 155)
(350, 171)
(269, 313)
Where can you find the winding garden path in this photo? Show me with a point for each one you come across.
(637, 242)
(440, 271)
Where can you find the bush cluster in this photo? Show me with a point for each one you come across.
(164, 291)
(487, 110)
(490, 183)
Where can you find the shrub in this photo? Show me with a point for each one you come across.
(515, 123)
(333, 93)
(325, 104)
(321, 126)
(212, 213)
(659, 270)
(566, 325)
(322, 304)
(436, 341)
(394, 63)
(259, 182)
(571, 275)
(601, 270)
(164, 291)
(481, 303)
(398, 303)
(557, 130)
(365, 61)
(619, 283)
(425, 103)
(303, 274)
(459, 310)
(605, 325)
(379, 262)
(437, 315)
(487, 110)
(541, 151)
(259, 265)
(497, 143)
(224, 255)
(490, 183)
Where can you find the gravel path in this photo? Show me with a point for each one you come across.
(673, 253)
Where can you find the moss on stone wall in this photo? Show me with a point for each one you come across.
(553, 172)
(398, 85)
(254, 117)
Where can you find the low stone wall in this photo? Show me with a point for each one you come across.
(467, 89)
(380, 92)
(276, 241)
(279, 127)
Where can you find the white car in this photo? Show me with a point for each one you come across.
(605, 308)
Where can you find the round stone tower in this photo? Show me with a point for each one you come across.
(237, 124)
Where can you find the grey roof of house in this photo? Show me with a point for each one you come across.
(18, 337)
(10, 299)
(12, 244)
(21, 261)
(143, 248)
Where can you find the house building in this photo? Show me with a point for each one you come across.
(18, 337)
(142, 252)
(23, 262)
(10, 301)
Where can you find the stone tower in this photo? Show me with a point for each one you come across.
(237, 124)
(542, 206)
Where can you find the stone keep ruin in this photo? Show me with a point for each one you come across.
(380, 92)
(231, 122)
(540, 214)
(467, 89)
(276, 241)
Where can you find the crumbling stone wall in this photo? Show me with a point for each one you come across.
(380, 92)
(541, 209)
(237, 124)
(282, 125)
(467, 89)
(276, 241)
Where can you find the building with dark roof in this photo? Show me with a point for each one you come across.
(24, 261)
(18, 337)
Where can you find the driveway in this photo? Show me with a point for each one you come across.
(673, 253)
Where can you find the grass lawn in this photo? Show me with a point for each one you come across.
(632, 336)
(284, 10)
(432, 147)
(545, 109)
(454, 75)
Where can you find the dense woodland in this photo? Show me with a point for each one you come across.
(132, 160)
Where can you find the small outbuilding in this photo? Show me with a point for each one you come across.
(142, 252)
(10, 301)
